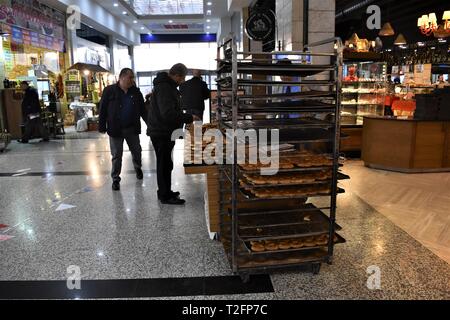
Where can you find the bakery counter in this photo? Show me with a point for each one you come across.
(406, 145)
(351, 138)
(212, 194)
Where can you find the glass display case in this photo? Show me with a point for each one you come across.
(363, 91)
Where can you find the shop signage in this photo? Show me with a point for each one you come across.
(21, 37)
(31, 23)
(34, 39)
(26, 37)
(17, 36)
(33, 15)
(260, 25)
(9, 58)
(73, 75)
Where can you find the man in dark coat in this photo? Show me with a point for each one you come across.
(31, 114)
(166, 116)
(194, 92)
(121, 107)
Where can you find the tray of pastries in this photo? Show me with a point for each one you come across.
(293, 244)
(288, 191)
(291, 178)
(312, 225)
(292, 160)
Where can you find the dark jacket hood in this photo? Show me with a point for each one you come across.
(163, 77)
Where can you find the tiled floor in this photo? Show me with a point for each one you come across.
(417, 203)
(129, 235)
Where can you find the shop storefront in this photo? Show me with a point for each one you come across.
(85, 81)
(32, 49)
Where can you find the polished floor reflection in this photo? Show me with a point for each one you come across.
(58, 210)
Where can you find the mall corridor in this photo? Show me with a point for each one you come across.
(57, 201)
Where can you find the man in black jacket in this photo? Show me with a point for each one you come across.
(166, 116)
(194, 92)
(121, 107)
(31, 114)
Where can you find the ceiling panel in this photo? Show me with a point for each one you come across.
(166, 7)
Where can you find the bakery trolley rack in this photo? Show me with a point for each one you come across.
(247, 219)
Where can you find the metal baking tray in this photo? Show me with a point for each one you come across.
(244, 183)
(295, 70)
(244, 110)
(257, 218)
(293, 95)
(251, 197)
(280, 260)
(301, 135)
(280, 123)
(247, 246)
(282, 232)
(227, 82)
(295, 169)
(291, 104)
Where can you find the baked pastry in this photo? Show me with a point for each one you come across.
(296, 244)
(258, 247)
(321, 240)
(271, 246)
(309, 242)
(285, 245)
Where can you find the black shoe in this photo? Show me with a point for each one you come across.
(116, 186)
(45, 140)
(175, 194)
(174, 201)
(139, 174)
(172, 195)
(22, 141)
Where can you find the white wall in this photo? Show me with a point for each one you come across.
(161, 56)
(100, 18)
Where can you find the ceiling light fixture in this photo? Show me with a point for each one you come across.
(208, 12)
(427, 24)
(142, 28)
(387, 30)
(135, 21)
(400, 40)
(209, 3)
(170, 21)
(209, 20)
(124, 12)
(116, 4)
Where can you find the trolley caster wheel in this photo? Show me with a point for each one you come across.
(316, 268)
(330, 261)
(245, 278)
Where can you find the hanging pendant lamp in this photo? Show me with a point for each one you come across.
(387, 30)
(401, 40)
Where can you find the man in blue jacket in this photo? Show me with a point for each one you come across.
(121, 107)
